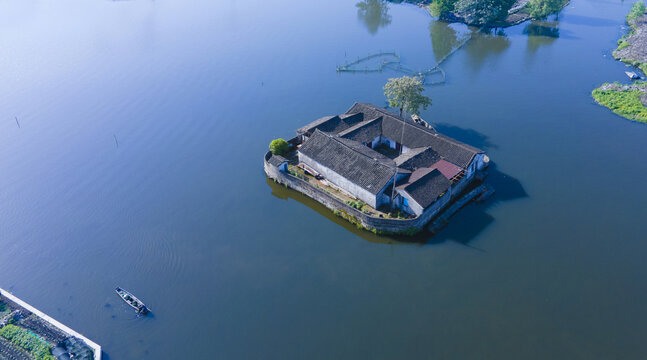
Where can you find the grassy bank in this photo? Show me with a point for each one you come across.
(623, 100)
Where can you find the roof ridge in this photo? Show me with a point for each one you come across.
(458, 143)
(337, 139)
(357, 126)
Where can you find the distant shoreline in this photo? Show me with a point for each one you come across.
(515, 17)
(628, 101)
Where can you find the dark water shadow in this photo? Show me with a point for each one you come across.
(374, 14)
(588, 21)
(473, 219)
(467, 136)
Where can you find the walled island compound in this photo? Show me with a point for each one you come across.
(378, 170)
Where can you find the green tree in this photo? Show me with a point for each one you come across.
(540, 9)
(637, 10)
(483, 12)
(405, 93)
(442, 8)
(279, 147)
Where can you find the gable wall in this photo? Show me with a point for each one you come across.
(340, 181)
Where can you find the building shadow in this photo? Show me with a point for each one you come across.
(473, 219)
(467, 136)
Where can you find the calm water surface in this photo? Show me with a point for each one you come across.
(178, 209)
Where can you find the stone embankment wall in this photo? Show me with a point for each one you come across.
(378, 225)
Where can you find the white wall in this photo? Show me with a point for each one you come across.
(479, 162)
(376, 141)
(340, 181)
(385, 199)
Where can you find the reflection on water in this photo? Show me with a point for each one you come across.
(541, 33)
(282, 192)
(446, 37)
(374, 14)
(486, 43)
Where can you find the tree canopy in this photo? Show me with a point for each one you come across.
(482, 12)
(279, 146)
(405, 93)
(637, 10)
(540, 9)
(442, 8)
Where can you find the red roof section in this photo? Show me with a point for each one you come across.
(446, 168)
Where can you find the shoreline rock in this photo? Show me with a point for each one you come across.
(632, 48)
(628, 100)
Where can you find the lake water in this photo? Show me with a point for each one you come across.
(138, 163)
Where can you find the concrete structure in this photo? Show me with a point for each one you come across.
(94, 346)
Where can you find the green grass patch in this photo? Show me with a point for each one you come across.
(624, 103)
(622, 43)
(30, 342)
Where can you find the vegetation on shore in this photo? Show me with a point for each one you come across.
(492, 13)
(623, 100)
(30, 342)
(637, 12)
(629, 100)
(541, 9)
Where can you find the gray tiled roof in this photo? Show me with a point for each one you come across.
(332, 124)
(352, 160)
(277, 160)
(416, 136)
(364, 132)
(418, 158)
(428, 188)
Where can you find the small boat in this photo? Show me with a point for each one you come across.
(632, 75)
(132, 300)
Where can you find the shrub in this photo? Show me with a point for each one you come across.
(359, 204)
(279, 147)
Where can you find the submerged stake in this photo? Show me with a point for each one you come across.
(17, 123)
